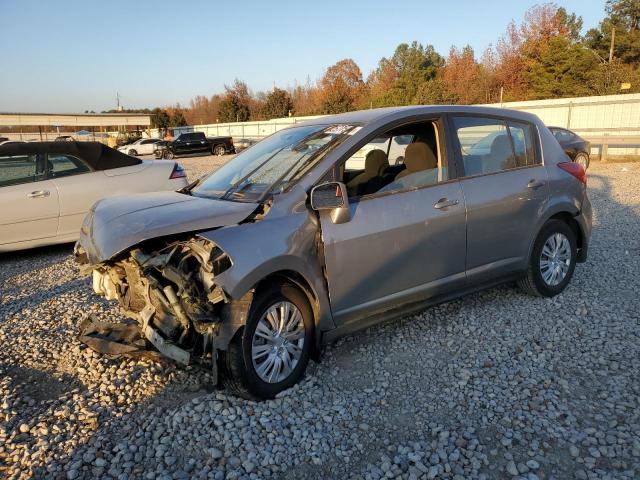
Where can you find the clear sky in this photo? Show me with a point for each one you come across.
(71, 56)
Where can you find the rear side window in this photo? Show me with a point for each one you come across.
(19, 169)
(65, 165)
(489, 145)
(523, 143)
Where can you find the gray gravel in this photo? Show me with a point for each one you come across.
(494, 385)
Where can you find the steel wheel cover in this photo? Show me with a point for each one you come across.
(555, 259)
(278, 342)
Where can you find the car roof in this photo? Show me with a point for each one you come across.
(363, 117)
(96, 154)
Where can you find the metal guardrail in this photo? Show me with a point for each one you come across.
(606, 141)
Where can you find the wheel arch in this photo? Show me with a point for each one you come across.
(567, 214)
(299, 281)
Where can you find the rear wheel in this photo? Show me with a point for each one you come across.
(168, 154)
(132, 152)
(219, 150)
(272, 352)
(583, 159)
(552, 261)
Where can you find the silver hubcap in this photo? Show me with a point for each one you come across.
(555, 259)
(277, 343)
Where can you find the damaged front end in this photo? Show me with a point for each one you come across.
(172, 294)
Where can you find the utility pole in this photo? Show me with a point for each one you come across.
(613, 41)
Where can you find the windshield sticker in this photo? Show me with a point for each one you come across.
(338, 129)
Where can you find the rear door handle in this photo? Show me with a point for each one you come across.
(534, 184)
(444, 203)
(39, 194)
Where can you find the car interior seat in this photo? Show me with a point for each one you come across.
(500, 155)
(417, 158)
(375, 164)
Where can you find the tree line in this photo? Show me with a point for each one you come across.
(544, 56)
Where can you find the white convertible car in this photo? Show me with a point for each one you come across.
(46, 188)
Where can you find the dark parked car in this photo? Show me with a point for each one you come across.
(195, 142)
(295, 242)
(573, 144)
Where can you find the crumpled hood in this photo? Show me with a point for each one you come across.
(117, 223)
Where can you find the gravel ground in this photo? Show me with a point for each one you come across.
(494, 385)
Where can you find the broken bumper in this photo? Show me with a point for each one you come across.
(172, 294)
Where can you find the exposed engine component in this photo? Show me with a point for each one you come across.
(172, 294)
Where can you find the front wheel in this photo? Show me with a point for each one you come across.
(168, 155)
(132, 152)
(583, 159)
(219, 150)
(272, 352)
(552, 261)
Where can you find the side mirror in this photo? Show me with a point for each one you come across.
(332, 196)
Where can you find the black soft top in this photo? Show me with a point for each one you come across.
(97, 155)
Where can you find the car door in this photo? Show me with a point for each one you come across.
(200, 142)
(78, 189)
(29, 201)
(505, 188)
(146, 147)
(402, 244)
(181, 144)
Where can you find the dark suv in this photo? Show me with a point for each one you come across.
(195, 142)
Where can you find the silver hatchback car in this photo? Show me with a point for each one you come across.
(250, 270)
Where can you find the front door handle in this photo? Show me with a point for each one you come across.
(444, 203)
(39, 194)
(535, 184)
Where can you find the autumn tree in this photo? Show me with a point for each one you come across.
(340, 87)
(305, 98)
(624, 16)
(397, 80)
(277, 104)
(235, 105)
(203, 109)
(562, 69)
(160, 119)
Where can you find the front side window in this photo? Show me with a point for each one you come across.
(19, 169)
(489, 145)
(400, 159)
(273, 164)
(65, 165)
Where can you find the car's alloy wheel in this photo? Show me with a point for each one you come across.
(133, 153)
(219, 150)
(271, 352)
(555, 259)
(552, 261)
(169, 155)
(278, 341)
(582, 159)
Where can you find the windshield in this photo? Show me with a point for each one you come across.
(272, 164)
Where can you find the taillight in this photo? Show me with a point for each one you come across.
(177, 172)
(575, 169)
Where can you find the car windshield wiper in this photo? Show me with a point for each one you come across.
(187, 189)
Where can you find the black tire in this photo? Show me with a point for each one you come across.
(219, 150)
(132, 152)
(238, 372)
(168, 155)
(533, 282)
(583, 159)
